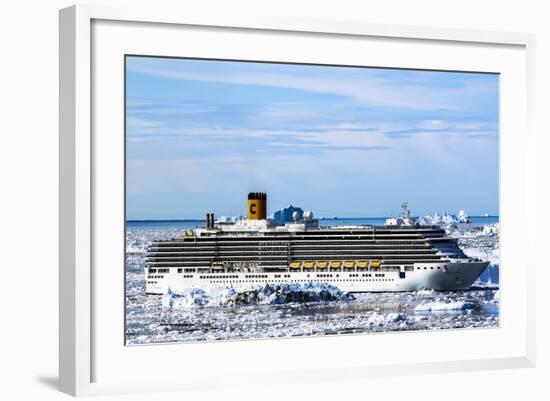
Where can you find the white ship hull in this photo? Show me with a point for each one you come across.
(444, 276)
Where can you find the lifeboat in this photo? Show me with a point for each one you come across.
(362, 264)
(309, 265)
(295, 265)
(375, 264)
(335, 265)
(349, 264)
(322, 265)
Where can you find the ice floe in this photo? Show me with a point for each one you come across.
(255, 295)
(444, 306)
(425, 292)
(395, 317)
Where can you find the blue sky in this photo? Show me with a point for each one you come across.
(336, 140)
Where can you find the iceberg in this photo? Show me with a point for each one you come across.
(284, 215)
(395, 317)
(186, 299)
(463, 217)
(445, 219)
(255, 295)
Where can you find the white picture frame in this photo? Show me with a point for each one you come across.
(84, 354)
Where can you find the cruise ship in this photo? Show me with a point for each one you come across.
(400, 255)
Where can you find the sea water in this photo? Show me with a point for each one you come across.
(204, 316)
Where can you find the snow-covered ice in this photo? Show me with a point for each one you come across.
(268, 294)
(444, 306)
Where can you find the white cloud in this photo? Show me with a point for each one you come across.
(137, 123)
(288, 111)
(372, 90)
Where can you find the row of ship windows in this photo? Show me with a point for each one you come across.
(217, 276)
(154, 264)
(299, 281)
(299, 242)
(325, 249)
(222, 276)
(407, 268)
(377, 245)
(351, 275)
(201, 270)
(305, 249)
(303, 281)
(264, 276)
(315, 255)
(336, 239)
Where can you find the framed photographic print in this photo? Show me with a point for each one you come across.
(202, 135)
(347, 194)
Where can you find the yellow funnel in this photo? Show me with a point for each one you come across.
(257, 206)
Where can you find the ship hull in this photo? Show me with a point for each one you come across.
(437, 276)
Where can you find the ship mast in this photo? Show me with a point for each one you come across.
(406, 213)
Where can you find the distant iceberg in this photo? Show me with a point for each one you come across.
(463, 217)
(284, 215)
(228, 219)
(445, 218)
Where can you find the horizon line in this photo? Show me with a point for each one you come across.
(320, 218)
